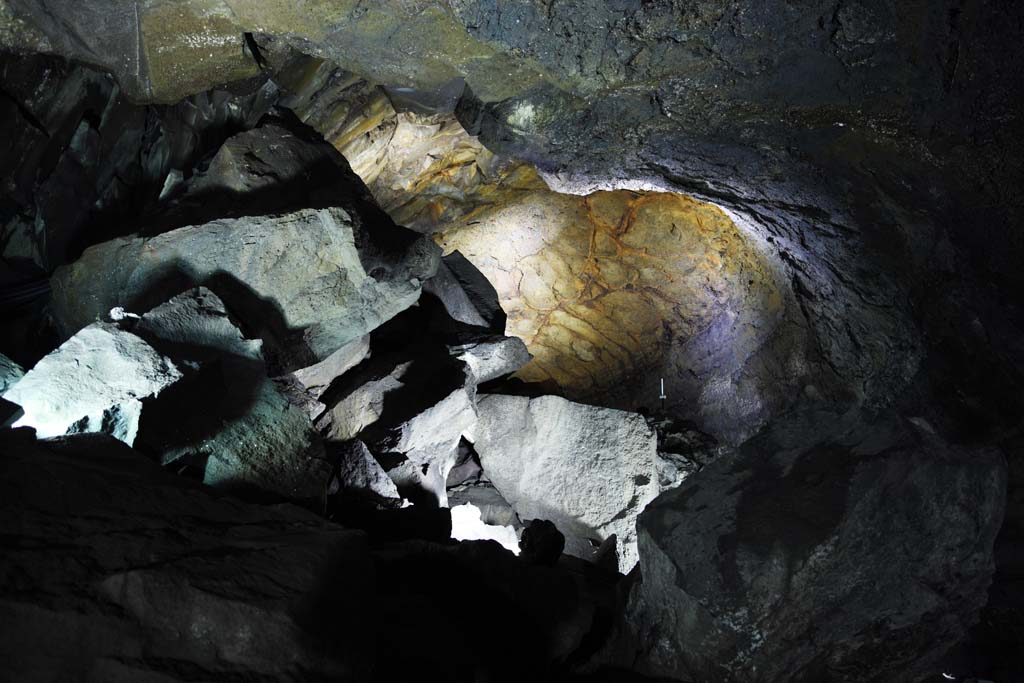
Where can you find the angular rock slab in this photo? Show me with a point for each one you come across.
(299, 278)
(227, 413)
(94, 382)
(589, 470)
(491, 357)
(862, 556)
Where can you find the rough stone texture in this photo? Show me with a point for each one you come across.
(589, 470)
(227, 416)
(94, 382)
(134, 574)
(358, 472)
(317, 378)
(10, 373)
(863, 556)
(494, 509)
(492, 357)
(302, 276)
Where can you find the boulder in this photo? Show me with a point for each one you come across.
(227, 416)
(137, 575)
(491, 357)
(411, 410)
(860, 552)
(316, 378)
(94, 382)
(589, 470)
(542, 543)
(10, 373)
(466, 293)
(309, 282)
(358, 473)
(484, 497)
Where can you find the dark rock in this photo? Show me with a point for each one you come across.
(467, 295)
(541, 543)
(117, 570)
(227, 417)
(864, 555)
(10, 373)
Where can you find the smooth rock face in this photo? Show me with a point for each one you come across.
(300, 276)
(10, 373)
(94, 382)
(589, 470)
(861, 557)
(227, 416)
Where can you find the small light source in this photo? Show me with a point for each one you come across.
(949, 677)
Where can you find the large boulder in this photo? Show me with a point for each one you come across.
(227, 416)
(93, 382)
(589, 470)
(860, 555)
(137, 574)
(311, 281)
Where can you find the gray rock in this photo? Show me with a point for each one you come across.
(466, 293)
(492, 357)
(247, 431)
(300, 279)
(316, 378)
(94, 382)
(589, 470)
(362, 405)
(358, 473)
(860, 552)
(10, 373)
(125, 558)
(427, 444)
(494, 509)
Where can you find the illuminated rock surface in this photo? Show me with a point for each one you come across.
(589, 470)
(94, 382)
(867, 159)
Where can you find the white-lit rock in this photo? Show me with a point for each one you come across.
(92, 383)
(491, 357)
(467, 525)
(589, 470)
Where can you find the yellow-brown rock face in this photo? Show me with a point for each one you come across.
(608, 290)
(611, 292)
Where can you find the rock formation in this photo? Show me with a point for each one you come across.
(723, 296)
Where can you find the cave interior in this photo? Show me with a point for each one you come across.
(511, 340)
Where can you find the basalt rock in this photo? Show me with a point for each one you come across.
(589, 470)
(227, 418)
(862, 555)
(309, 282)
(94, 382)
(10, 373)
